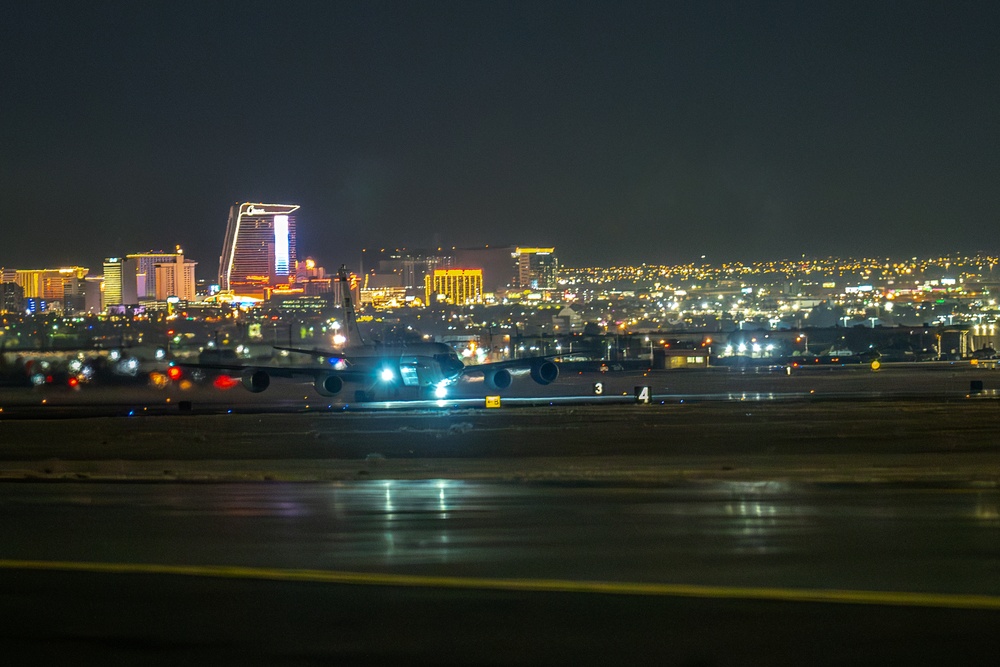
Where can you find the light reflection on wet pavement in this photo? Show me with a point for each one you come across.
(721, 533)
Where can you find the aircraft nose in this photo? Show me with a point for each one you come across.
(454, 368)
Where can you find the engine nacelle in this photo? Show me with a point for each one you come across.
(544, 372)
(498, 379)
(329, 385)
(255, 381)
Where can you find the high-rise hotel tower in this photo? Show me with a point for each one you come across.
(259, 250)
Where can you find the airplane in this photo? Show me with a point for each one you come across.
(428, 366)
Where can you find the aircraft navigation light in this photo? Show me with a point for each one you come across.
(387, 375)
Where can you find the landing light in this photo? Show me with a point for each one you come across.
(440, 391)
(387, 375)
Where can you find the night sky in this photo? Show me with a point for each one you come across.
(620, 132)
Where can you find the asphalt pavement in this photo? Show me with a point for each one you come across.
(830, 516)
(444, 572)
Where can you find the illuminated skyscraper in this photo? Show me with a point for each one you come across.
(175, 279)
(61, 289)
(455, 286)
(49, 284)
(536, 267)
(259, 249)
(120, 284)
(146, 270)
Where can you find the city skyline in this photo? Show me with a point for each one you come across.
(621, 133)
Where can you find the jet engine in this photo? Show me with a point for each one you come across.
(329, 385)
(255, 381)
(544, 372)
(498, 379)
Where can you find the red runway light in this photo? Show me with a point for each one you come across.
(174, 373)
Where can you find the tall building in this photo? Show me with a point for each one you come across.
(11, 298)
(49, 284)
(536, 267)
(120, 283)
(146, 269)
(455, 286)
(259, 249)
(175, 278)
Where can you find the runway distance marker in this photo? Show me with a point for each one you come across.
(819, 595)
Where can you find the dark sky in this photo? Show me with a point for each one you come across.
(620, 132)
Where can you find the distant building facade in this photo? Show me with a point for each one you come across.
(11, 298)
(536, 268)
(259, 249)
(410, 266)
(175, 279)
(461, 287)
(51, 285)
(120, 282)
(146, 285)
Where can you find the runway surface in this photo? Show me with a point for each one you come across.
(440, 571)
(830, 516)
(931, 380)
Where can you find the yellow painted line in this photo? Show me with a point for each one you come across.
(884, 598)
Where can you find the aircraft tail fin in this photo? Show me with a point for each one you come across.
(350, 315)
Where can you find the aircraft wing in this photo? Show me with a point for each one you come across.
(497, 375)
(315, 372)
(521, 363)
(315, 352)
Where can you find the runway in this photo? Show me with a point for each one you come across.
(933, 381)
(458, 572)
(743, 518)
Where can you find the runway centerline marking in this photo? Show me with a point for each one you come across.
(774, 594)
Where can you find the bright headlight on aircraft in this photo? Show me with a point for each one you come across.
(386, 375)
(440, 391)
(339, 339)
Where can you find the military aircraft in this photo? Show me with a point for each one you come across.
(429, 367)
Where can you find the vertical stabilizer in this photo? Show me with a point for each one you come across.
(350, 316)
